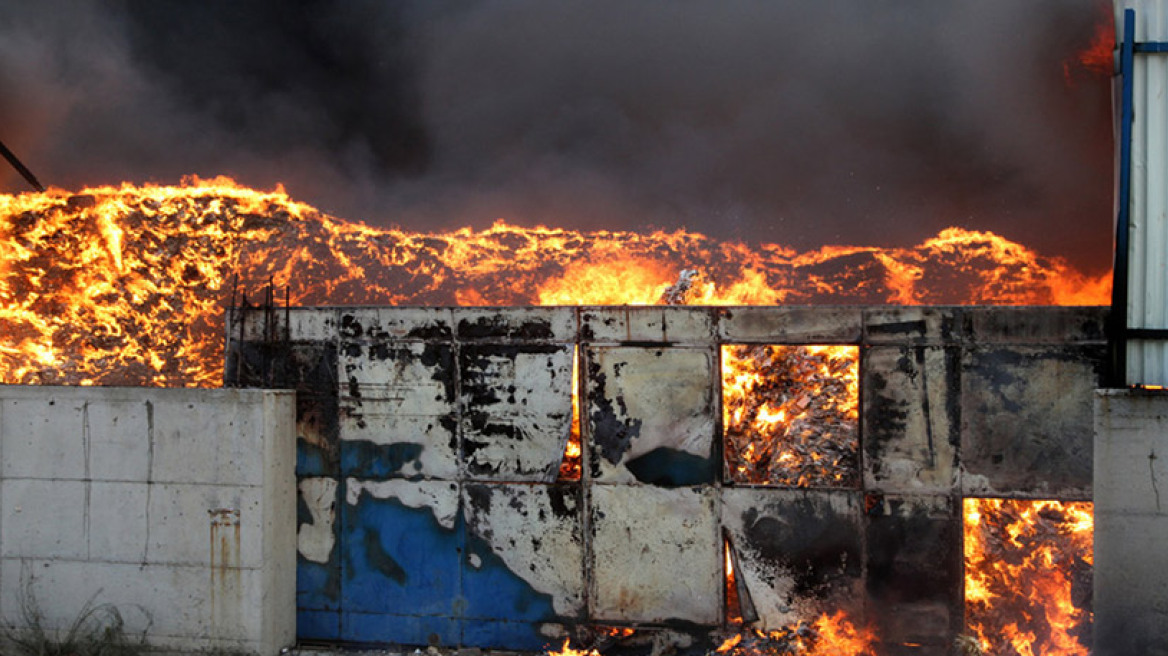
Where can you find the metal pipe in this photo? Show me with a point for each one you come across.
(20, 168)
(1119, 282)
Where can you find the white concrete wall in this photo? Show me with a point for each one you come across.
(1131, 523)
(176, 505)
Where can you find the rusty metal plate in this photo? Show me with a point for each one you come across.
(655, 555)
(651, 415)
(517, 410)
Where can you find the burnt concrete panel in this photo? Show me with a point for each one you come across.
(790, 325)
(1037, 325)
(525, 552)
(517, 324)
(1026, 415)
(798, 552)
(687, 325)
(387, 323)
(916, 325)
(397, 410)
(517, 410)
(654, 555)
(911, 418)
(651, 415)
(914, 572)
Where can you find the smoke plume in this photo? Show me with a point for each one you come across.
(801, 123)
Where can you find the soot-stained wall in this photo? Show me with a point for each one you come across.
(432, 509)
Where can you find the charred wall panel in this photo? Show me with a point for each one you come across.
(430, 440)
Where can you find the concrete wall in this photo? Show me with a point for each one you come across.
(175, 505)
(429, 441)
(1131, 522)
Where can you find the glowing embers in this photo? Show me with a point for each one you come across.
(790, 414)
(1028, 576)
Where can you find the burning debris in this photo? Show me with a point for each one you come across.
(790, 414)
(1028, 576)
(126, 285)
(829, 635)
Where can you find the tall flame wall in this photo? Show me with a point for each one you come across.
(429, 443)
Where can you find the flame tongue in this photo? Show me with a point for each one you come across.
(1027, 573)
(125, 285)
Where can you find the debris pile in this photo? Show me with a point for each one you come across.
(790, 414)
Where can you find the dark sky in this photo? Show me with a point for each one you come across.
(802, 123)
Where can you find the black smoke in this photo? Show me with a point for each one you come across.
(803, 123)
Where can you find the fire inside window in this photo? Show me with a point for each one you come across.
(1028, 574)
(790, 415)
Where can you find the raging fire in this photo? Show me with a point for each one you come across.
(127, 285)
(790, 414)
(1027, 576)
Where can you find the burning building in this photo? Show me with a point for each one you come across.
(841, 448)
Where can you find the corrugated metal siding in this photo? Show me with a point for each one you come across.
(1147, 360)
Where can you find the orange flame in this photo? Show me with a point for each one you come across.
(790, 414)
(126, 285)
(1022, 560)
(829, 635)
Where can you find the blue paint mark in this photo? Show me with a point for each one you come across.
(364, 459)
(381, 628)
(491, 634)
(493, 591)
(318, 625)
(397, 559)
(318, 586)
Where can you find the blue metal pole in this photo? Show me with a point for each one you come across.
(1119, 283)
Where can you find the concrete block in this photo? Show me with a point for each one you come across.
(1036, 325)
(397, 409)
(183, 520)
(791, 325)
(916, 325)
(117, 522)
(212, 437)
(798, 552)
(119, 440)
(42, 435)
(517, 410)
(44, 518)
(1131, 452)
(1026, 420)
(651, 415)
(910, 421)
(179, 605)
(1131, 523)
(687, 325)
(525, 552)
(1130, 592)
(641, 539)
(383, 323)
(516, 324)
